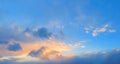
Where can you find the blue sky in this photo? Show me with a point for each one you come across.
(92, 25)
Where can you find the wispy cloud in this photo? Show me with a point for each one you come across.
(55, 24)
(95, 31)
(87, 29)
(100, 30)
(112, 30)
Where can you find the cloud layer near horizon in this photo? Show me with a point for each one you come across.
(111, 57)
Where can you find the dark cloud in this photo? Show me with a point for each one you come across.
(14, 47)
(43, 33)
(112, 57)
(27, 30)
(26, 34)
(36, 53)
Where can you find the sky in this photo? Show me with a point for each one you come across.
(59, 32)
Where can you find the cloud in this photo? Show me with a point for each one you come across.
(100, 30)
(42, 50)
(56, 25)
(53, 49)
(33, 44)
(87, 29)
(27, 34)
(110, 57)
(43, 33)
(13, 33)
(14, 47)
(43, 53)
(112, 30)
(50, 47)
(37, 53)
(95, 31)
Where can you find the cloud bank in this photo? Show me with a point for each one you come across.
(111, 57)
(33, 45)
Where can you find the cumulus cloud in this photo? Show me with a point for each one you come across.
(14, 47)
(27, 34)
(23, 34)
(37, 53)
(43, 33)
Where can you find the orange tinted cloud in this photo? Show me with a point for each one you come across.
(53, 49)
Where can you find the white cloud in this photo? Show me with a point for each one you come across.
(112, 30)
(105, 28)
(87, 29)
(56, 24)
(99, 30)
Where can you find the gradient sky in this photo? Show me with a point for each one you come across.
(53, 28)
